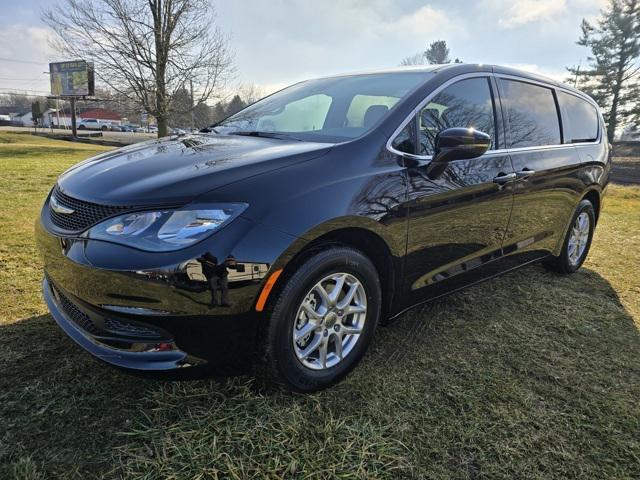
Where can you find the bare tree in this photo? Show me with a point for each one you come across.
(146, 50)
(417, 59)
(250, 93)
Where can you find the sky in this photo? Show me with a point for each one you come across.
(279, 42)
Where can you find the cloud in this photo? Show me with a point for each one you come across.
(559, 75)
(522, 12)
(25, 43)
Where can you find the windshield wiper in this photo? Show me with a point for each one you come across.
(258, 133)
(209, 130)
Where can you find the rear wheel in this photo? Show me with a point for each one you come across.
(577, 241)
(322, 320)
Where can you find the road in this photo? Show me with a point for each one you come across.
(125, 138)
(626, 170)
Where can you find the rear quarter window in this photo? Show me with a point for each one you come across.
(532, 115)
(580, 118)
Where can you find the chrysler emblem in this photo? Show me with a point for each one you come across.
(56, 207)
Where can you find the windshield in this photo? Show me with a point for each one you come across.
(325, 110)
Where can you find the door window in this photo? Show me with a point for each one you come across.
(467, 103)
(405, 141)
(532, 115)
(581, 124)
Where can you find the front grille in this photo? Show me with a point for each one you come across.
(79, 318)
(129, 329)
(85, 214)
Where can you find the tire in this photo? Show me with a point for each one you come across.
(571, 260)
(82, 127)
(282, 363)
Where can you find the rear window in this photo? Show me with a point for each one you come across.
(532, 115)
(581, 124)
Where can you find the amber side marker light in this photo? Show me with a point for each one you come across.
(262, 299)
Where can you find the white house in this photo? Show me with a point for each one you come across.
(22, 118)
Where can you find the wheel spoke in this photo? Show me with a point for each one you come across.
(311, 313)
(312, 347)
(355, 309)
(337, 340)
(584, 222)
(305, 330)
(335, 293)
(323, 294)
(344, 303)
(323, 352)
(351, 329)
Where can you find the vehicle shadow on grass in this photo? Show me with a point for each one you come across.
(532, 375)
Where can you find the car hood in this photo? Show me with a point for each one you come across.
(176, 170)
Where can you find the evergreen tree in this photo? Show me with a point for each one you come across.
(437, 53)
(612, 74)
(36, 113)
(235, 105)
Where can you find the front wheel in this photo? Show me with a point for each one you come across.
(323, 320)
(577, 241)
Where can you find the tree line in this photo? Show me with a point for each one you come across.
(169, 59)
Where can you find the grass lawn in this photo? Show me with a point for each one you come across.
(533, 375)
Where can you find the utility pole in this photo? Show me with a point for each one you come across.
(74, 131)
(193, 123)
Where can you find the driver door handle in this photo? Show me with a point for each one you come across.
(504, 178)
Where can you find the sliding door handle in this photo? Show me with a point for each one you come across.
(504, 178)
(525, 173)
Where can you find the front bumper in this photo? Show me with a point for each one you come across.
(155, 350)
(161, 311)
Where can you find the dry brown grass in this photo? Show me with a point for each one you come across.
(532, 375)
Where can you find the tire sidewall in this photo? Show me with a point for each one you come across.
(583, 206)
(280, 345)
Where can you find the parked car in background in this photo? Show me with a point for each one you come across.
(94, 124)
(152, 129)
(286, 232)
(177, 131)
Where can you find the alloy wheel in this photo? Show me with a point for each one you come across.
(579, 238)
(329, 321)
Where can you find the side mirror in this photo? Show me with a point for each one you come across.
(460, 144)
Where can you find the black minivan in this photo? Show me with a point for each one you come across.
(281, 236)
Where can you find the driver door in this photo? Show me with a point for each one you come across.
(459, 217)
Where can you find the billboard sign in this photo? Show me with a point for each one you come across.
(72, 79)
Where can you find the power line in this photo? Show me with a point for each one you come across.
(2, 59)
(22, 91)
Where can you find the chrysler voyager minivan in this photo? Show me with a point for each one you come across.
(283, 235)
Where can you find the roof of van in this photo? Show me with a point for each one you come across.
(462, 68)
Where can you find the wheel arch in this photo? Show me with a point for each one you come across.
(370, 242)
(594, 196)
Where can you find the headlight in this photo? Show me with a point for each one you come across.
(166, 230)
